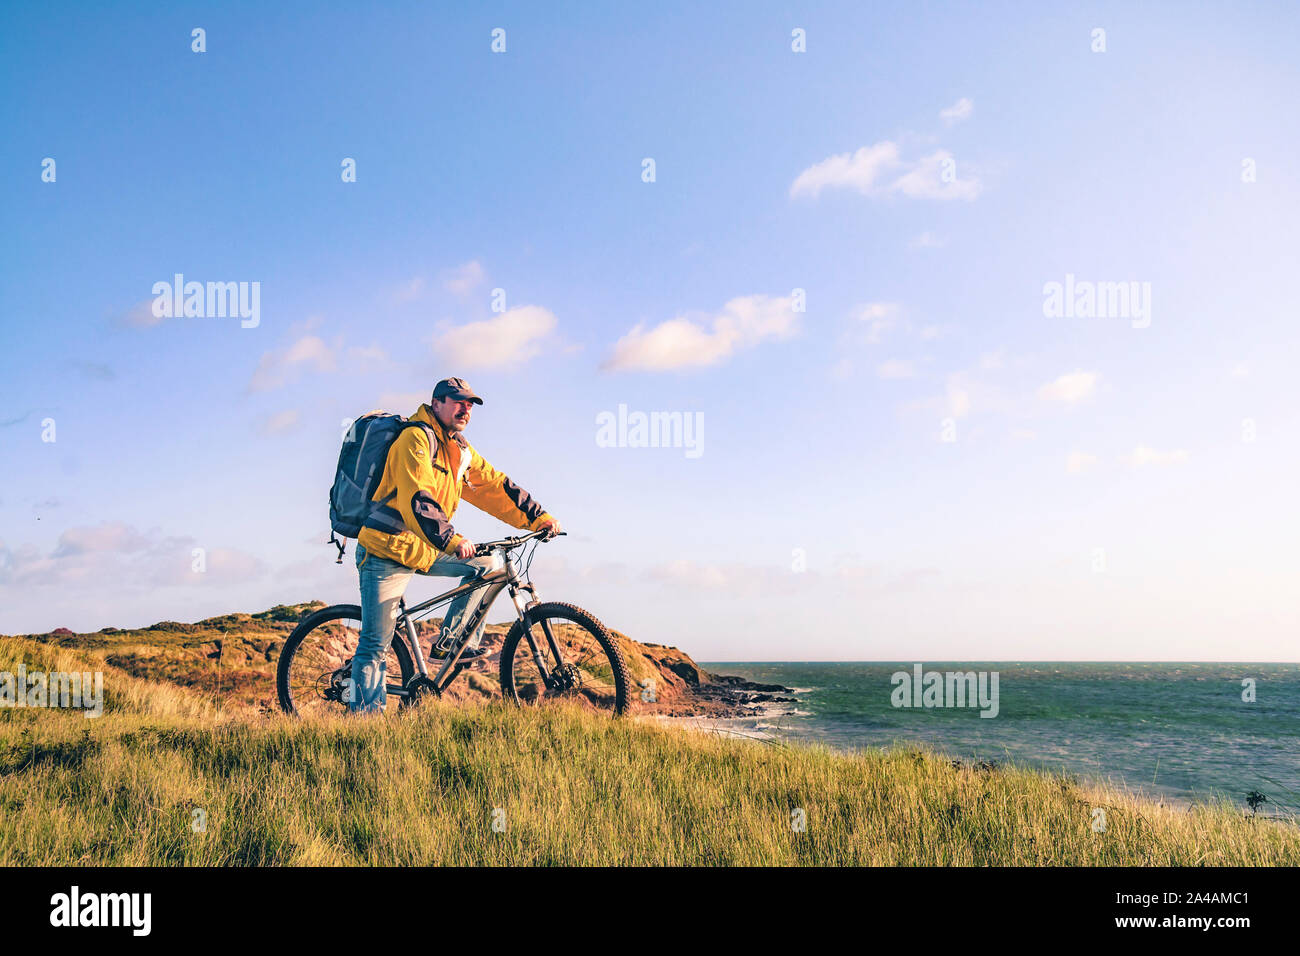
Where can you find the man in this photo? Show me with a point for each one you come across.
(409, 531)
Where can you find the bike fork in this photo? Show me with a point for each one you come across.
(521, 609)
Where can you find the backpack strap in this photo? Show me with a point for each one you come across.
(433, 444)
(340, 543)
(428, 430)
(433, 436)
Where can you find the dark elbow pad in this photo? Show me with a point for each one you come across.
(522, 499)
(433, 520)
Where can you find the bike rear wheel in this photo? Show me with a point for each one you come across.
(316, 660)
(561, 652)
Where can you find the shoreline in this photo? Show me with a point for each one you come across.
(734, 727)
(724, 696)
(734, 706)
(741, 709)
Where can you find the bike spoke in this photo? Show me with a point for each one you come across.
(322, 664)
(584, 670)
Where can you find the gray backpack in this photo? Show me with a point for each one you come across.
(360, 469)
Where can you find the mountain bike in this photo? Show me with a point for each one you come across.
(552, 651)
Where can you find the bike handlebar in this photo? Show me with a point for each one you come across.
(505, 544)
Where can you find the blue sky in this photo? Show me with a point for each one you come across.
(1169, 447)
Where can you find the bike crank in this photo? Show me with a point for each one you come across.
(420, 688)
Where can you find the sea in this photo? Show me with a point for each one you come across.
(1185, 732)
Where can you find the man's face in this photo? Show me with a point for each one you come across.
(453, 413)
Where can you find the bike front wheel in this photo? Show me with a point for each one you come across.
(560, 652)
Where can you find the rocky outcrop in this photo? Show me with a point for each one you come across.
(233, 658)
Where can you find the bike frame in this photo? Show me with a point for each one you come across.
(505, 577)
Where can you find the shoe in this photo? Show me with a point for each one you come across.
(470, 654)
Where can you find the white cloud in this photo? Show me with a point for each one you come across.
(878, 170)
(697, 341)
(1069, 388)
(510, 338)
(1143, 456)
(108, 536)
(894, 368)
(369, 355)
(969, 391)
(705, 577)
(877, 310)
(927, 240)
(958, 399)
(927, 179)
(845, 573)
(309, 324)
(111, 557)
(140, 316)
(861, 171)
(465, 279)
(1079, 461)
(961, 110)
(279, 368)
(312, 350)
(408, 291)
(880, 317)
(280, 422)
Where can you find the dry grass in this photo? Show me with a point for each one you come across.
(425, 787)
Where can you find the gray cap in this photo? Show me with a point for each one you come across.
(456, 388)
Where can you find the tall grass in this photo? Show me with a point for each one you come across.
(561, 786)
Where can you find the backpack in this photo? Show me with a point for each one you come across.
(360, 468)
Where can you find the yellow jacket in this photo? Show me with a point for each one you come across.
(421, 487)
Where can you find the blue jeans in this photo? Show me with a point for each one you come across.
(383, 582)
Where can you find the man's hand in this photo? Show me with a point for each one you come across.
(550, 526)
(465, 549)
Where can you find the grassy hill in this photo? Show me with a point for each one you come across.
(230, 660)
(562, 787)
